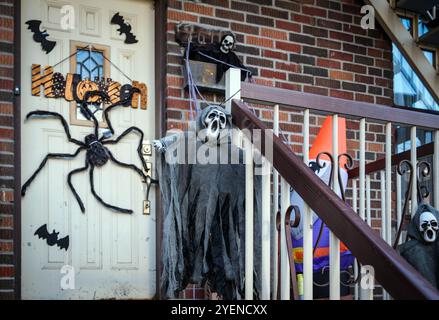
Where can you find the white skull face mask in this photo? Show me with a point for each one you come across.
(428, 226)
(215, 121)
(227, 44)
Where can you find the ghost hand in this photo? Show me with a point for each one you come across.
(159, 145)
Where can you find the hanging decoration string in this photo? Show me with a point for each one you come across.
(90, 47)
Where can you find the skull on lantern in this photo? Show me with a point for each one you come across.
(227, 44)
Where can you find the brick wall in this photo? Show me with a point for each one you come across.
(7, 271)
(314, 46)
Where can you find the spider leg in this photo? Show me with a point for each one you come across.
(127, 165)
(43, 163)
(139, 147)
(41, 113)
(119, 103)
(107, 119)
(69, 181)
(100, 199)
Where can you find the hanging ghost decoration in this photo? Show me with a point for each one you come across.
(421, 249)
(220, 52)
(204, 208)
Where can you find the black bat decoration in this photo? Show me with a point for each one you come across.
(52, 238)
(124, 28)
(40, 36)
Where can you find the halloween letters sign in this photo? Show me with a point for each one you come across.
(72, 88)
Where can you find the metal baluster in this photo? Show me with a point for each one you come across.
(275, 210)
(285, 264)
(307, 222)
(334, 243)
(413, 160)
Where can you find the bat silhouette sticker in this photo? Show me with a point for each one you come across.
(124, 28)
(40, 36)
(52, 238)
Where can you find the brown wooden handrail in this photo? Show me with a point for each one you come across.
(380, 164)
(398, 277)
(354, 109)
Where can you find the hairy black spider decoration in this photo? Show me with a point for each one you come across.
(97, 154)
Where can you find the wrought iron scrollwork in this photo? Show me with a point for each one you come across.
(423, 169)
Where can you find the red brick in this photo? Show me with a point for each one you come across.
(245, 7)
(6, 23)
(177, 103)
(6, 84)
(375, 147)
(341, 94)
(352, 125)
(383, 64)
(289, 86)
(245, 28)
(340, 75)
(6, 246)
(287, 46)
(328, 63)
(313, 11)
(6, 146)
(341, 36)
(181, 16)
(364, 79)
(6, 108)
(194, 7)
(275, 55)
(7, 271)
(280, 24)
(7, 72)
(334, 15)
(328, 44)
(6, 35)
(221, 3)
(303, 19)
(6, 222)
(229, 15)
(316, 90)
(290, 127)
(288, 66)
(364, 97)
(282, 14)
(274, 34)
(384, 101)
(173, 92)
(273, 74)
(6, 59)
(354, 29)
(174, 81)
(264, 82)
(339, 55)
(260, 42)
(6, 133)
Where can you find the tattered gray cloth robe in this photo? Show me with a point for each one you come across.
(204, 224)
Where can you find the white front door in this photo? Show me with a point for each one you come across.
(110, 254)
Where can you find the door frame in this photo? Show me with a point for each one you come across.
(160, 14)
